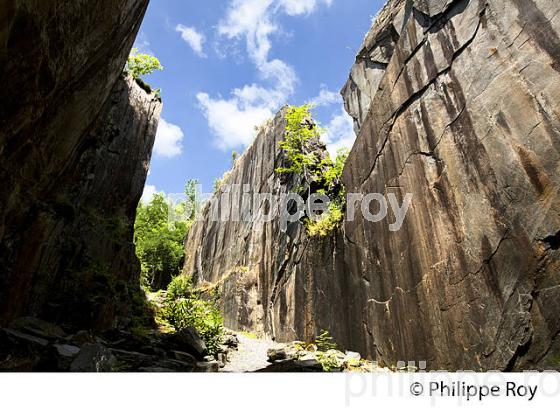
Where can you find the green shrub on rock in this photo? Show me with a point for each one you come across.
(181, 286)
(322, 173)
(325, 342)
(141, 64)
(185, 308)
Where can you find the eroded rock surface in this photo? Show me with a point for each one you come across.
(272, 281)
(465, 116)
(75, 143)
(456, 102)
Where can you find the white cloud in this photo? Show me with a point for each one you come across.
(143, 44)
(297, 7)
(340, 132)
(325, 97)
(193, 38)
(233, 119)
(148, 194)
(169, 140)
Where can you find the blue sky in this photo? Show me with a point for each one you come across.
(231, 64)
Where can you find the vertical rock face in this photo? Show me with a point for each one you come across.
(465, 115)
(456, 102)
(271, 281)
(75, 142)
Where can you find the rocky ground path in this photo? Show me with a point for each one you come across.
(251, 354)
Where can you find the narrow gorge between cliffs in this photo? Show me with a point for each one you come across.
(436, 248)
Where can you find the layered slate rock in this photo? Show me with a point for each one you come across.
(75, 143)
(271, 281)
(465, 115)
(456, 102)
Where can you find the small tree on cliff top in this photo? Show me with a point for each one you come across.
(141, 64)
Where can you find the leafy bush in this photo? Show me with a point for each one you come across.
(323, 174)
(325, 350)
(140, 64)
(327, 223)
(184, 307)
(330, 360)
(325, 342)
(300, 131)
(181, 286)
(219, 182)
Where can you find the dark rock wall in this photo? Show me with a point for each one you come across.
(75, 143)
(466, 116)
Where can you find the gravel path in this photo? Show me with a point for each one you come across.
(250, 356)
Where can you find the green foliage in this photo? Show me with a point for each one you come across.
(325, 342)
(330, 360)
(184, 307)
(327, 223)
(181, 286)
(140, 64)
(249, 335)
(300, 131)
(192, 198)
(159, 243)
(334, 169)
(219, 182)
(323, 174)
(325, 350)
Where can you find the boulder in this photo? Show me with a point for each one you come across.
(276, 354)
(38, 327)
(208, 367)
(230, 340)
(187, 340)
(65, 355)
(23, 352)
(184, 357)
(67, 351)
(81, 337)
(93, 357)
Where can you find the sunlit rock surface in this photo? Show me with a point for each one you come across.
(465, 116)
(456, 102)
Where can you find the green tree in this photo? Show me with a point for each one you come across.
(159, 244)
(141, 64)
(159, 241)
(300, 131)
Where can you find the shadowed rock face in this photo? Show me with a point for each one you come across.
(465, 116)
(75, 142)
(456, 102)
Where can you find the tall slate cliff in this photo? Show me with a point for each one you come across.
(271, 281)
(75, 143)
(456, 102)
